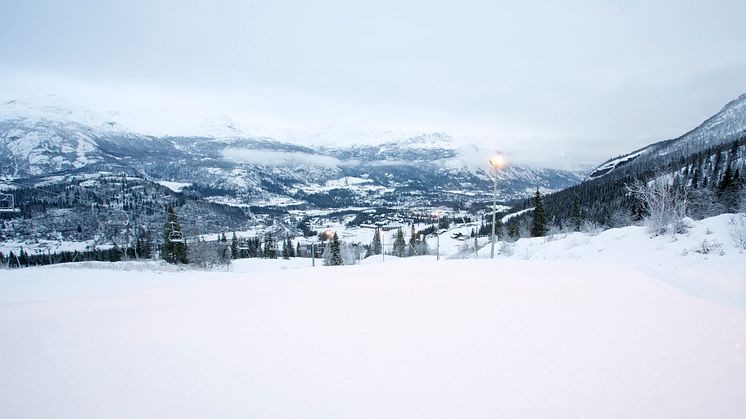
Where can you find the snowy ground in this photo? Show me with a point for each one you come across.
(613, 325)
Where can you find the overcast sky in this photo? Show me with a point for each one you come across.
(547, 82)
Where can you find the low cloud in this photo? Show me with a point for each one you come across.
(278, 158)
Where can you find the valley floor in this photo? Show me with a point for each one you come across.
(645, 327)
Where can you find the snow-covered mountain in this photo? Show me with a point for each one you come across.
(52, 138)
(727, 125)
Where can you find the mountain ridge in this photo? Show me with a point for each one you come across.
(37, 144)
(726, 125)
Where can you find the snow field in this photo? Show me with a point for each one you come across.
(621, 332)
(704, 261)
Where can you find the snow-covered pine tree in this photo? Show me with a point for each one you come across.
(412, 249)
(335, 257)
(539, 223)
(270, 250)
(576, 215)
(399, 246)
(727, 191)
(234, 246)
(375, 245)
(287, 247)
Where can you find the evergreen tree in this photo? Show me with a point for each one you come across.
(174, 246)
(253, 248)
(287, 247)
(539, 223)
(576, 215)
(514, 230)
(695, 178)
(270, 250)
(718, 166)
(113, 254)
(224, 254)
(335, 257)
(375, 245)
(726, 183)
(399, 244)
(412, 250)
(733, 155)
(13, 260)
(422, 247)
(637, 209)
(727, 192)
(234, 246)
(297, 249)
(23, 258)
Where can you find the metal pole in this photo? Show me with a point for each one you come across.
(383, 245)
(494, 213)
(437, 245)
(313, 254)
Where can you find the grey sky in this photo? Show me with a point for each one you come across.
(545, 81)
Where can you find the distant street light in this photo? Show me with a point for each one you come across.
(325, 235)
(437, 237)
(495, 163)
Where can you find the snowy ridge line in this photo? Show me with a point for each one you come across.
(508, 217)
(609, 166)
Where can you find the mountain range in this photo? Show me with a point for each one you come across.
(38, 140)
(72, 170)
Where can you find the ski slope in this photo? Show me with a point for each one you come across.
(534, 334)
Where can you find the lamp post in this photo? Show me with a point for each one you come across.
(495, 163)
(437, 235)
(383, 244)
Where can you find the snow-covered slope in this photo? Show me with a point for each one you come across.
(727, 125)
(706, 250)
(611, 333)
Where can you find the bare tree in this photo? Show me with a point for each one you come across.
(664, 202)
(737, 229)
(209, 254)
